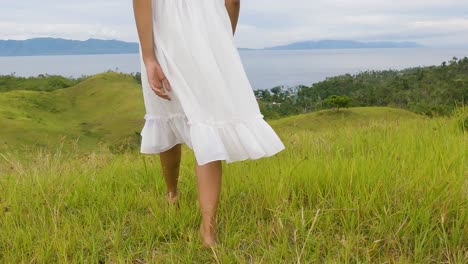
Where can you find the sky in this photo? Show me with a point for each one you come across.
(262, 23)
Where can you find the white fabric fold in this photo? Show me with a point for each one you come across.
(230, 140)
(213, 108)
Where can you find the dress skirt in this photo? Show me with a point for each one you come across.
(213, 109)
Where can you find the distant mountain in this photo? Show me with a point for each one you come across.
(58, 46)
(344, 44)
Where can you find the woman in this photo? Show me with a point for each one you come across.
(196, 92)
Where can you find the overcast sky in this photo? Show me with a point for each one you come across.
(262, 22)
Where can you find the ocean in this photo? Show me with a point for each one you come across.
(265, 68)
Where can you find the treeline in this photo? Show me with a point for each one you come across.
(433, 90)
(47, 82)
(42, 82)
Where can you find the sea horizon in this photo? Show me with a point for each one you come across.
(265, 68)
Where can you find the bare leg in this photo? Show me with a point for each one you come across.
(209, 187)
(170, 163)
(233, 8)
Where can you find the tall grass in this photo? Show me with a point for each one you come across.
(383, 191)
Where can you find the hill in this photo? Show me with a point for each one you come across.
(42, 82)
(431, 90)
(352, 117)
(106, 107)
(365, 185)
(344, 44)
(59, 46)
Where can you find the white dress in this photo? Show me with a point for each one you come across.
(213, 108)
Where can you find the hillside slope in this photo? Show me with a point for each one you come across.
(366, 185)
(107, 107)
(351, 117)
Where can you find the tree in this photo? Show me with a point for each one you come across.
(338, 102)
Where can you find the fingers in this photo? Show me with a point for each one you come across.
(158, 89)
(158, 82)
(166, 84)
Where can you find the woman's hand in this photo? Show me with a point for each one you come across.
(157, 79)
(144, 22)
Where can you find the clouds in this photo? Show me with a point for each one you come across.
(430, 22)
(262, 22)
(107, 19)
(25, 30)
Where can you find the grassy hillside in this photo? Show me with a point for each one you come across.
(367, 185)
(351, 117)
(107, 107)
(38, 83)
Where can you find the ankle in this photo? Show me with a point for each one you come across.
(171, 193)
(171, 196)
(208, 235)
(208, 226)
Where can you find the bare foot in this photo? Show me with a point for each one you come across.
(172, 198)
(208, 235)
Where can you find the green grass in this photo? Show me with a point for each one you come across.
(38, 83)
(105, 108)
(367, 185)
